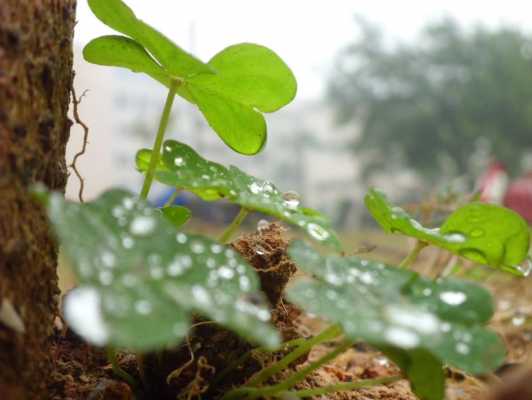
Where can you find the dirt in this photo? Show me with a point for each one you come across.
(190, 371)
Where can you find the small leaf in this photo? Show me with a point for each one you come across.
(250, 74)
(177, 215)
(423, 370)
(376, 303)
(185, 169)
(117, 15)
(239, 126)
(140, 279)
(484, 233)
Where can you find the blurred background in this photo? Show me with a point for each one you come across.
(422, 99)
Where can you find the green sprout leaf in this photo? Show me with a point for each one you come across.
(484, 233)
(117, 15)
(177, 215)
(184, 168)
(231, 90)
(394, 308)
(140, 279)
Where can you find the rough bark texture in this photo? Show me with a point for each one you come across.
(35, 80)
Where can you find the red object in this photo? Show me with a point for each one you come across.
(494, 183)
(519, 196)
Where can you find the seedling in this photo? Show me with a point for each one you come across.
(141, 278)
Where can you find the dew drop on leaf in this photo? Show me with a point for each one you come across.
(291, 199)
(142, 225)
(476, 233)
(317, 232)
(82, 310)
(525, 267)
(453, 298)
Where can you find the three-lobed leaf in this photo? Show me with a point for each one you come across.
(140, 278)
(400, 312)
(184, 168)
(231, 90)
(484, 233)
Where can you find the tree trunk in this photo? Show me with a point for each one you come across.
(35, 80)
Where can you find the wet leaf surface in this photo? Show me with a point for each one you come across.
(140, 278)
(484, 233)
(184, 168)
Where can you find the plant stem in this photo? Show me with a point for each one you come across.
(117, 369)
(328, 334)
(225, 237)
(412, 256)
(364, 383)
(264, 392)
(172, 198)
(156, 150)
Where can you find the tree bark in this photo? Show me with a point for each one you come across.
(35, 81)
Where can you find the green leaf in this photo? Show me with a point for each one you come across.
(239, 126)
(140, 279)
(484, 233)
(250, 74)
(117, 15)
(185, 169)
(383, 306)
(177, 215)
(423, 370)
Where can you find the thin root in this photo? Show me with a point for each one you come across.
(75, 102)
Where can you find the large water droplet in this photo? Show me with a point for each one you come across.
(291, 199)
(453, 298)
(82, 311)
(455, 237)
(317, 232)
(141, 226)
(255, 188)
(179, 162)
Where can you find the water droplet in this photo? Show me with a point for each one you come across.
(245, 283)
(455, 237)
(291, 199)
(262, 225)
(129, 280)
(201, 295)
(226, 272)
(476, 233)
(402, 337)
(525, 267)
(179, 162)
(216, 248)
(143, 307)
(518, 319)
(255, 188)
(128, 203)
(197, 247)
(474, 255)
(317, 232)
(108, 259)
(453, 298)
(83, 313)
(382, 361)
(181, 238)
(205, 176)
(462, 348)
(105, 277)
(156, 272)
(141, 226)
(127, 242)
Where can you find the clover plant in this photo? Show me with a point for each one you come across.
(142, 278)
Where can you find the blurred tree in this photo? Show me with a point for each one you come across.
(433, 104)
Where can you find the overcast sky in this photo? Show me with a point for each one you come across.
(306, 34)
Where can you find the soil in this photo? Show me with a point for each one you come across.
(82, 372)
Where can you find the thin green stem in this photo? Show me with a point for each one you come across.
(156, 150)
(328, 334)
(412, 256)
(117, 369)
(252, 392)
(339, 387)
(172, 198)
(225, 237)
